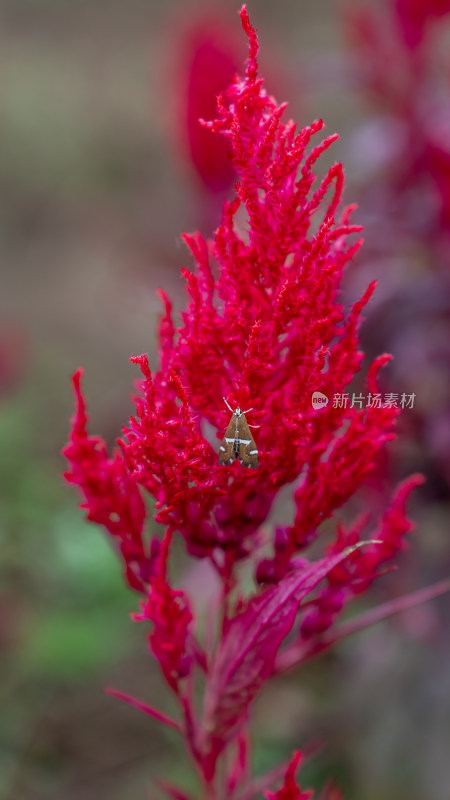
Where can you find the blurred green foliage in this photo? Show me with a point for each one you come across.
(63, 606)
(64, 567)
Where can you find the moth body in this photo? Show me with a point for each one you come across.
(238, 442)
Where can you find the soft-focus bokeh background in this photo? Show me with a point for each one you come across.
(96, 185)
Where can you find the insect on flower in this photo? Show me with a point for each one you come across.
(238, 441)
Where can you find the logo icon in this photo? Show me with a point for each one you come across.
(319, 400)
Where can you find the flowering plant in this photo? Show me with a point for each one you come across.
(264, 327)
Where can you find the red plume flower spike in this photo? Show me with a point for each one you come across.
(112, 496)
(265, 328)
(169, 612)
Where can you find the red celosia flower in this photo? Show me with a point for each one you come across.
(264, 327)
(269, 331)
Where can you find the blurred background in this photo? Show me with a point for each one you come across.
(102, 166)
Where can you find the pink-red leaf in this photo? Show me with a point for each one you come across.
(301, 651)
(245, 657)
(152, 712)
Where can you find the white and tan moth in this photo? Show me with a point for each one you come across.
(238, 441)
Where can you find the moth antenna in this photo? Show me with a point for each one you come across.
(248, 409)
(226, 402)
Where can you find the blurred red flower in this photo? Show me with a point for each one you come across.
(207, 61)
(415, 15)
(404, 190)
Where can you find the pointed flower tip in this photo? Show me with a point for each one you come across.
(79, 418)
(245, 20)
(76, 380)
(297, 759)
(290, 789)
(368, 295)
(138, 359)
(417, 479)
(253, 44)
(375, 367)
(164, 297)
(409, 484)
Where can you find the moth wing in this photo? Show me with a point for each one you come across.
(226, 449)
(248, 452)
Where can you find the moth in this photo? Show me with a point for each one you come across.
(238, 441)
